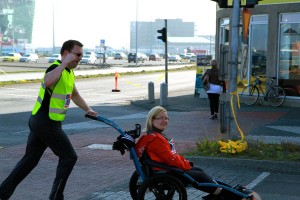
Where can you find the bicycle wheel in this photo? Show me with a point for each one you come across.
(250, 95)
(162, 187)
(276, 96)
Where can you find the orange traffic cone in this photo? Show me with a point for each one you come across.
(116, 83)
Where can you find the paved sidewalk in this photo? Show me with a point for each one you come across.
(258, 122)
(104, 174)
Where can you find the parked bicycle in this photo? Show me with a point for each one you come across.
(275, 94)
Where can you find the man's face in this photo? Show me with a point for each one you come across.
(77, 53)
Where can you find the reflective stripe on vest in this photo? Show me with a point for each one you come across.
(60, 97)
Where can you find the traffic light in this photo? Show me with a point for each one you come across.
(249, 3)
(223, 3)
(244, 3)
(163, 36)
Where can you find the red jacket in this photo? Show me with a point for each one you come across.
(161, 150)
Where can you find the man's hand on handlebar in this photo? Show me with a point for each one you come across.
(92, 113)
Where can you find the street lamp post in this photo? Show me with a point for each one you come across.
(53, 32)
(136, 33)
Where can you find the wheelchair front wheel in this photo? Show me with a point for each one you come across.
(255, 196)
(134, 185)
(162, 187)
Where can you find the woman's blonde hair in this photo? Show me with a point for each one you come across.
(151, 115)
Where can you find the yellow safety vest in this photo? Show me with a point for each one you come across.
(60, 97)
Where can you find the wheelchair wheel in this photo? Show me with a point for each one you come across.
(134, 185)
(162, 187)
(255, 196)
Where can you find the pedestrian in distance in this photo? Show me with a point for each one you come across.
(45, 123)
(216, 87)
(161, 148)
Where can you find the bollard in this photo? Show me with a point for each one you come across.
(223, 116)
(116, 83)
(164, 94)
(151, 92)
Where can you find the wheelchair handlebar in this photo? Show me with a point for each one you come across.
(132, 151)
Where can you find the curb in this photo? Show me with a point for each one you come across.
(288, 167)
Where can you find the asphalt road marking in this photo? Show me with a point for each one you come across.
(96, 124)
(100, 146)
(259, 179)
(132, 116)
(20, 89)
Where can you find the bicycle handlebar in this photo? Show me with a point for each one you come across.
(258, 77)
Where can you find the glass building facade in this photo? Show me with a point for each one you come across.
(271, 48)
(16, 22)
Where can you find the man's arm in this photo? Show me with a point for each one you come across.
(53, 76)
(80, 102)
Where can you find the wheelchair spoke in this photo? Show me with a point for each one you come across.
(162, 187)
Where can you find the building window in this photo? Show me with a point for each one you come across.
(258, 44)
(253, 53)
(289, 53)
(224, 31)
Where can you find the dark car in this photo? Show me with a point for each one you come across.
(140, 57)
(154, 57)
(203, 59)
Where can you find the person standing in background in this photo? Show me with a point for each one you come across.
(215, 88)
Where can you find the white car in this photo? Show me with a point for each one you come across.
(88, 59)
(90, 53)
(174, 58)
(54, 57)
(193, 58)
(120, 56)
(29, 57)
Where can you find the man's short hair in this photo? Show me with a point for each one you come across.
(69, 45)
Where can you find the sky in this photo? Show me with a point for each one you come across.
(90, 21)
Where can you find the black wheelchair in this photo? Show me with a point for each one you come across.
(167, 183)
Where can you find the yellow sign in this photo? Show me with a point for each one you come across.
(277, 1)
(199, 70)
(244, 2)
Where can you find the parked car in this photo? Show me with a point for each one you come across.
(29, 57)
(101, 55)
(12, 57)
(174, 58)
(204, 59)
(154, 57)
(140, 57)
(193, 58)
(189, 55)
(54, 57)
(90, 53)
(88, 59)
(143, 57)
(120, 56)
